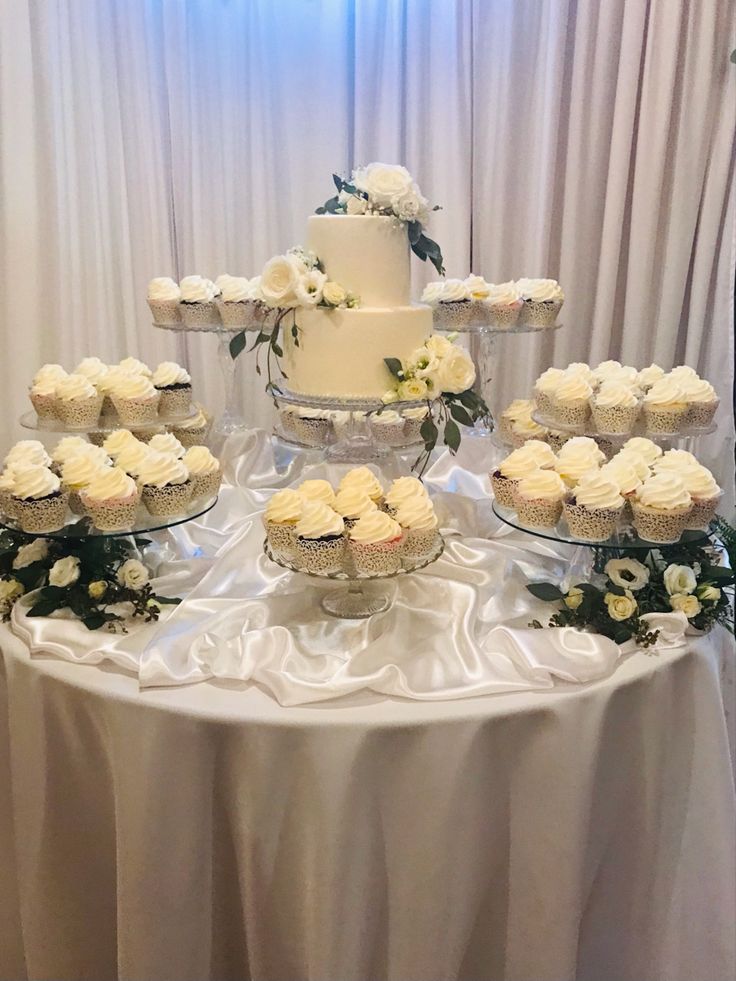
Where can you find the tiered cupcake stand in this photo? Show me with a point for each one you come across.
(685, 438)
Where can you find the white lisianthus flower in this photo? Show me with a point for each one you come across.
(356, 205)
(412, 389)
(308, 291)
(64, 572)
(679, 579)
(352, 300)
(627, 573)
(382, 182)
(686, 603)
(333, 294)
(574, 597)
(36, 551)
(456, 372)
(438, 345)
(708, 593)
(391, 396)
(620, 607)
(279, 280)
(10, 589)
(133, 574)
(97, 589)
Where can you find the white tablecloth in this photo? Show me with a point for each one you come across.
(206, 831)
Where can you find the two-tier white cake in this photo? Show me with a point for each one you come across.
(341, 352)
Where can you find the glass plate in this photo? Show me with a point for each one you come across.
(349, 575)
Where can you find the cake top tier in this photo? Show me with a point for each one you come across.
(367, 254)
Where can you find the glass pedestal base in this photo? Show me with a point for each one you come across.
(357, 449)
(356, 602)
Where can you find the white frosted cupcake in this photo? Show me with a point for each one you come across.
(351, 504)
(622, 474)
(517, 409)
(43, 390)
(287, 416)
(593, 508)
(313, 427)
(27, 453)
(132, 457)
(524, 428)
(417, 518)
(164, 297)
(235, 303)
(317, 490)
(413, 419)
(403, 489)
(573, 468)
(205, 471)
(362, 478)
(111, 499)
(477, 290)
(705, 493)
(174, 385)
(76, 473)
(662, 507)
(7, 484)
(93, 369)
(38, 502)
(518, 464)
(635, 460)
(648, 376)
(538, 498)
(166, 443)
(504, 305)
(578, 445)
(117, 441)
(283, 511)
(388, 427)
(450, 303)
(78, 403)
(702, 402)
(133, 366)
(165, 484)
(644, 447)
(375, 542)
(544, 390)
(542, 301)
(615, 408)
(571, 401)
(194, 431)
(665, 407)
(198, 302)
(674, 461)
(320, 538)
(135, 399)
(683, 372)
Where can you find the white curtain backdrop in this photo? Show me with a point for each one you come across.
(586, 141)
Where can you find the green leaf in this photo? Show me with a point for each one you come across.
(546, 591)
(394, 366)
(331, 206)
(418, 251)
(237, 344)
(613, 588)
(276, 348)
(733, 56)
(459, 414)
(621, 634)
(44, 607)
(320, 210)
(414, 230)
(166, 600)
(425, 248)
(428, 430)
(452, 436)
(338, 182)
(94, 620)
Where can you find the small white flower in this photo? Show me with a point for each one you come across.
(438, 345)
(333, 294)
(708, 593)
(308, 290)
(620, 607)
(64, 572)
(391, 396)
(686, 603)
(356, 205)
(574, 597)
(36, 551)
(627, 573)
(412, 389)
(133, 574)
(679, 579)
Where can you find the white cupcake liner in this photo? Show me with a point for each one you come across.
(45, 406)
(135, 412)
(538, 513)
(312, 432)
(451, 315)
(282, 538)
(165, 312)
(200, 314)
(419, 542)
(175, 401)
(504, 489)
(614, 420)
(79, 413)
(206, 484)
(167, 501)
(591, 524)
(321, 555)
(664, 420)
(664, 527)
(46, 514)
(539, 314)
(700, 415)
(502, 316)
(703, 512)
(376, 558)
(115, 514)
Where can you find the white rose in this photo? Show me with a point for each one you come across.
(382, 182)
(627, 573)
(27, 554)
(709, 593)
(391, 396)
(308, 290)
(410, 205)
(356, 205)
(687, 604)
(333, 294)
(679, 579)
(279, 280)
(10, 589)
(456, 372)
(439, 345)
(133, 574)
(620, 607)
(574, 597)
(412, 389)
(64, 572)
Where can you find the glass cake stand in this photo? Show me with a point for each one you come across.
(482, 348)
(106, 424)
(687, 436)
(358, 602)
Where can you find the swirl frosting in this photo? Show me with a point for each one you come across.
(615, 394)
(162, 469)
(7, 478)
(476, 288)
(573, 388)
(541, 452)
(285, 507)
(549, 380)
(541, 485)
(33, 483)
(197, 289)
(317, 490)
(605, 369)
(163, 288)
(112, 483)
(170, 373)
(116, 442)
(699, 482)
(579, 445)
(420, 412)
(28, 452)
(199, 460)
(74, 388)
(524, 425)
(664, 491)
(667, 391)
(353, 503)
(621, 473)
(674, 460)
(405, 489)
(698, 390)
(503, 294)
(648, 376)
(363, 479)
(199, 421)
(595, 490)
(386, 418)
(417, 514)
(583, 370)
(540, 290)
(375, 527)
(132, 386)
(236, 289)
(166, 443)
(644, 447)
(134, 366)
(79, 470)
(636, 461)
(318, 520)
(573, 468)
(453, 291)
(49, 372)
(432, 293)
(92, 368)
(682, 371)
(132, 457)
(518, 408)
(518, 464)
(45, 385)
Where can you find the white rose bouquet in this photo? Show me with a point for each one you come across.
(387, 189)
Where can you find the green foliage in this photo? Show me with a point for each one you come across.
(237, 344)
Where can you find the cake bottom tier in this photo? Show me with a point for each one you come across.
(341, 352)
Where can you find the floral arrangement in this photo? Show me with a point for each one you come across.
(89, 576)
(443, 374)
(684, 578)
(387, 189)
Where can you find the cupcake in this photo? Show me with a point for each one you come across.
(27, 453)
(665, 407)
(312, 426)
(131, 458)
(648, 376)
(165, 484)
(477, 290)
(413, 420)
(320, 538)
(132, 366)
(544, 390)
(538, 498)
(175, 388)
(78, 403)
(43, 397)
(518, 464)
(235, 303)
(361, 478)
(593, 508)
(514, 410)
(662, 507)
(163, 299)
(198, 302)
(375, 543)
(117, 441)
(504, 304)
(93, 369)
(135, 399)
(7, 485)
(635, 460)
(644, 447)
(579, 369)
(111, 499)
(622, 474)
(317, 490)
(450, 303)
(351, 504)
(682, 372)
(542, 301)
(570, 402)
(76, 473)
(287, 417)
(38, 502)
(194, 431)
(403, 489)
(675, 460)
(702, 402)
(417, 518)
(524, 428)
(705, 493)
(166, 443)
(283, 511)
(574, 467)
(615, 408)
(388, 427)
(205, 471)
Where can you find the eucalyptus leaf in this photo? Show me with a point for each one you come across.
(394, 366)
(459, 414)
(338, 182)
(452, 435)
(546, 591)
(237, 344)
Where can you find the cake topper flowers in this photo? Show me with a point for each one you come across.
(389, 190)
